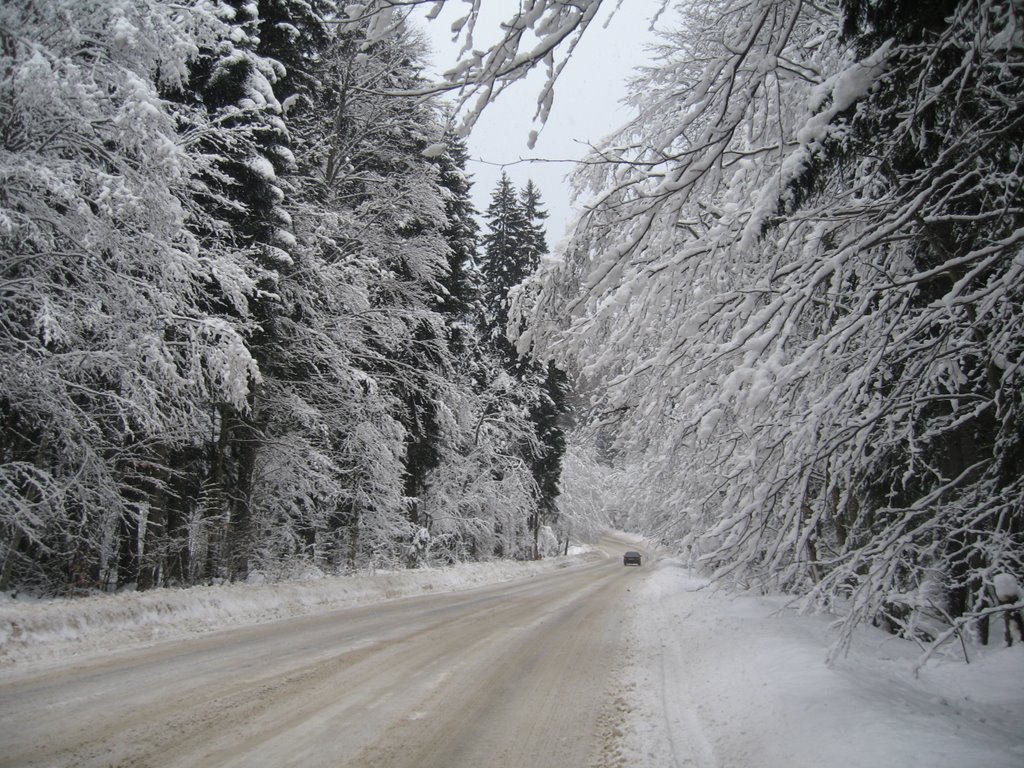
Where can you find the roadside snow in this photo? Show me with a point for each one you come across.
(736, 681)
(708, 679)
(47, 630)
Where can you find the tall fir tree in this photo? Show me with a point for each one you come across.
(513, 250)
(535, 244)
(460, 297)
(503, 264)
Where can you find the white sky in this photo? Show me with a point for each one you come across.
(586, 108)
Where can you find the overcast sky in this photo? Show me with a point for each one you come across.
(586, 108)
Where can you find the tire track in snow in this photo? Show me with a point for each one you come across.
(651, 720)
(684, 728)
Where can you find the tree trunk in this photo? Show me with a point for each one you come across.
(12, 552)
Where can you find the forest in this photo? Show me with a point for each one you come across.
(795, 293)
(250, 320)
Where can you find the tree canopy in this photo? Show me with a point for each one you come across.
(238, 300)
(796, 293)
(243, 323)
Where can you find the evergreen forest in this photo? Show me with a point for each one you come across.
(250, 321)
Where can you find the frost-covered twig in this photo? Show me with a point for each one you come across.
(958, 624)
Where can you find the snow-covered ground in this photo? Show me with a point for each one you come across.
(706, 679)
(734, 681)
(45, 630)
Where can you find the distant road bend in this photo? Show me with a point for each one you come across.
(513, 675)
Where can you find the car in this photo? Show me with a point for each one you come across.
(631, 558)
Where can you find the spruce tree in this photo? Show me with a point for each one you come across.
(504, 264)
(535, 242)
(236, 83)
(460, 296)
(513, 249)
(548, 410)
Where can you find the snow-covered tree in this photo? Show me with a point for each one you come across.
(109, 350)
(236, 246)
(537, 34)
(797, 285)
(379, 311)
(513, 247)
(536, 244)
(502, 264)
(460, 298)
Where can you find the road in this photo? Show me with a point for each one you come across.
(518, 674)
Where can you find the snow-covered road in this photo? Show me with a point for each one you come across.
(508, 675)
(586, 664)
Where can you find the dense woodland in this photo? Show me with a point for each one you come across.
(250, 321)
(247, 319)
(796, 292)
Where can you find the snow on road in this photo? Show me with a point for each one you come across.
(724, 681)
(505, 674)
(56, 630)
(586, 663)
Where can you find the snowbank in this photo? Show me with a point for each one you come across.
(56, 629)
(721, 680)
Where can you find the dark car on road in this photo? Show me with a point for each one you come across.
(631, 558)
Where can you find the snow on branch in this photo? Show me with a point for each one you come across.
(540, 33)
(796, 300)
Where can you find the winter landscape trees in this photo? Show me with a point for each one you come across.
(797, 291)
(246, 322)
(239, 324)
(512, 250)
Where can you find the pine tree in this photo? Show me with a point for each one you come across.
(461, 294)
(513, 250)
(504, 262)
(549, 410)
(549, 415)
(535, 243)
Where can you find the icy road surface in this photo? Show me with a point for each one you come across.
(509, 675)
(590, 665)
